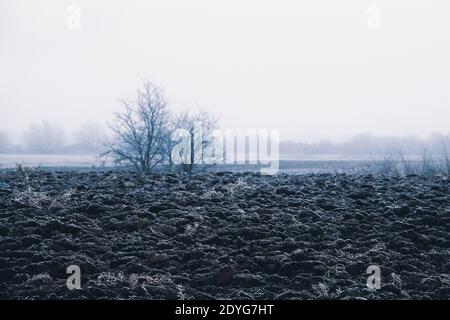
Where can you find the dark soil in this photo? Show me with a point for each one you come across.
(223, 235)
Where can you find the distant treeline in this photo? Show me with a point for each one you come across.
(51, 138)
(366, 144)
(91, 138)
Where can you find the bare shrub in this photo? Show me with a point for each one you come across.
(388, 166)
(41, 200)
(113, 279)
(181, 295)
(110, 279)
(396, 280)
(237, 186)
(40, 277)
(408, 167)
(428, 165)
(33, 199)
(36, 199)
(321, 290)
(212, 194)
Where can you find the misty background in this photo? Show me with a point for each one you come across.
(335, 77)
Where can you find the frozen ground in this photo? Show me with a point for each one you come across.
(288, 164)
(223, 235)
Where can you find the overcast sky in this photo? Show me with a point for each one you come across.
(313, 69)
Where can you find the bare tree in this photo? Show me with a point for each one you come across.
(208, 124)
(91, 137)
(139, 130)
(44, 137)
(200, 129)
(169, 142)
(186, 122)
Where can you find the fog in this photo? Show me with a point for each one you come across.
(313, 69)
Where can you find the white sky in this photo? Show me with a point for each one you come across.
(312, 69)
